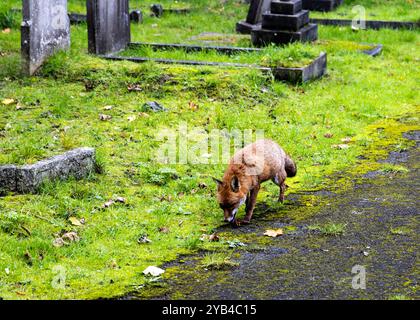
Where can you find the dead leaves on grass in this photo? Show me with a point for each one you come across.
(66, 239)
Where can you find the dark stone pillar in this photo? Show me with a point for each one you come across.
(254, 17)
(108, 25)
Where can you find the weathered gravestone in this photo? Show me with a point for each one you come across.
(77, 163)
(108, 25)
(45, 29)
(285, 22)
(254, 17)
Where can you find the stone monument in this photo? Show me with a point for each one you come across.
(285, 22)
(45, 29)
(108, 25)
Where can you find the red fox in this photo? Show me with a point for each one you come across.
(249, 167)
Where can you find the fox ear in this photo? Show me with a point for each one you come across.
(234, 184)
(218, 182)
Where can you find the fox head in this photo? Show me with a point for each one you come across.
(230, 196)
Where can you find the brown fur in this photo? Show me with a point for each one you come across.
(256, 163)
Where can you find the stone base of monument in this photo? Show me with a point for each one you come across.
(285, 22)
(244, 27)
(78, 163)
(261, 37)
(321, 5)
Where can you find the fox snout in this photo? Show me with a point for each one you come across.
(230, 215)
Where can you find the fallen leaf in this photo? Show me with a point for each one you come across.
(120, 200)
(144, 114)
(76, 222)
(7, 30)
(104, 117)
(328, 135)
(134, 87)
(153, 271)
(58, 242)
(108, 204)
(202, 185)
(131, 118)
(70, 236)
(108, 108)
(66, 239)
(214, 238)
(164, 229)
(273, 233)
(7, 102)
(113, 264)
(346, 140)
(193, 106)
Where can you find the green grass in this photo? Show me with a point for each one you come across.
(329, 229)
(59, 110)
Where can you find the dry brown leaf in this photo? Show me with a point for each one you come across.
(164, 229)
(193, 106)
(273, 233)
(328, 135)
(134, 87)
(104, 117)
(214, 238)
(7, 30)
(144, 115)
(108, 204)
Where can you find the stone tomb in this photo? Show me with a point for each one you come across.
(254, 17)
(45, 29)
(108, 25)
(285, 22)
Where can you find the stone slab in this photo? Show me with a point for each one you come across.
(77, 163)
(286, 7)
(261, 37)
(108, 25)
(285, 22)
(45, 30)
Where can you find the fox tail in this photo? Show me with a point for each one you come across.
(290, 167)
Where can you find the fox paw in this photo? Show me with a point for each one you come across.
(243, 222)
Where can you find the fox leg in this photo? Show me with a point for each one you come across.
(251, 204)
(279, 180)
